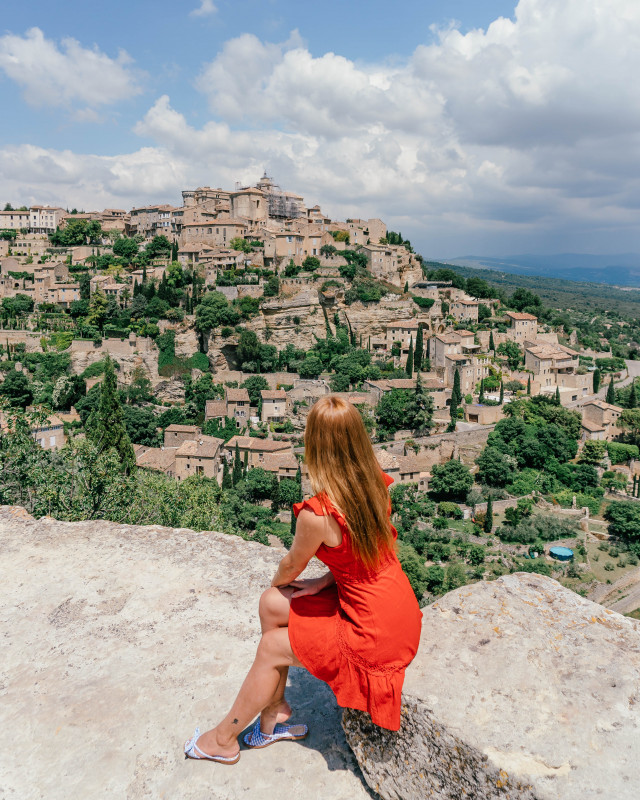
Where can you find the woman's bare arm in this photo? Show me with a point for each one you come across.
(311, 531)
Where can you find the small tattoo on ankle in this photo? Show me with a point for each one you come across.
(235, 722)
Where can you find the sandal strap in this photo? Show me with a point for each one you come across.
(199, 754)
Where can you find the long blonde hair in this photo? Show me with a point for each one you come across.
(343, 468)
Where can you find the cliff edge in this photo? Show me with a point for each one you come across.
(520, 689)
(116, 641)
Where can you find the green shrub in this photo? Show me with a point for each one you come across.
(621, 453)
(199, 361)
(446, 509)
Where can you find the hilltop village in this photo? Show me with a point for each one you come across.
(195, 339)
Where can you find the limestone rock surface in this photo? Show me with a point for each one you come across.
(116, 641)
(520, 689)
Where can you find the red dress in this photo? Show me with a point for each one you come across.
(359, 634)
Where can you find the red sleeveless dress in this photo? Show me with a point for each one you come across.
(360, 634)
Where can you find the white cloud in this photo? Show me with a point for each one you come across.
(205, 9)
(522, 136)
(68, 75)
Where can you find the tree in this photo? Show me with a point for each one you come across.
(629, 421)
(495, 468)
(512, 351)
(125, 248)
(248, 349)
(487, 525)
(596, 380)
(556, 398)
(456, 394)
(409, 364)
(633, 399)
(391, 411)
(492, 345)
(451, 480)
(105, 427)
(17, 389)
(420, 409)
(501, 392)
(481, 393)
(311, 367)
(529, 385)
(624, 521)
(419, 351)
(522, 299)
(97, 309)
(236, 475)
(288, 492)
(611, 393)
(226, 477)
(593, 451)
(254, 385)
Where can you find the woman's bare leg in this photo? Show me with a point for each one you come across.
(274, 613)
(257, 691)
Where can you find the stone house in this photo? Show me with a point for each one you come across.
(470, 368)
(282, 465)
(215, 409)
(553, 365)
(599, 420)
(175, 435)
(482, 414)
(257, 449)
(464, 309)
(274, 405)
(238, 404)
(200, 456)
(159, 459)
(50, 434)
(522, 327)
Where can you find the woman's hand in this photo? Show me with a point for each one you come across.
(306, 586)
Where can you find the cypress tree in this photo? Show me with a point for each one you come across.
(529, 385)
(456, 393)
(417, 356)
(492, 344)
(236, 475)
(488, 516)
(611, 393)
(481, 395)
(245, 465)
(556, 399)
(105, 426)
(406, 287)
(501, 392)
(409, 365)
(226, 476)
(144, 274)
(369, 345)
(596, 380)
(633, 399)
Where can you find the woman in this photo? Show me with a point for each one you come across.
(358, 626)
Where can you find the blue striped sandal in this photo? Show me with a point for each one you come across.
(281, 733)
(191, 750)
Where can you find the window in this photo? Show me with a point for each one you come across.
(52, 441)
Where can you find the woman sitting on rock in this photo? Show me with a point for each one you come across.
(358, 626)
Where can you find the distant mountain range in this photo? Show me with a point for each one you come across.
(618, 270)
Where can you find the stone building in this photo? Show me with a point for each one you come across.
(199, 456)
(522, 327)
(599, 420)
(274, 405)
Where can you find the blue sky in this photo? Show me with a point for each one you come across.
(489, 127)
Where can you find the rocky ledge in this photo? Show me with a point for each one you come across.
(117, 640)
(521, 689)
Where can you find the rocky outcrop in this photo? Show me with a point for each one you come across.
(521, 689)
(116, 641)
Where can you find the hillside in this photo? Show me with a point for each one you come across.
(616, 269)
(555, 292)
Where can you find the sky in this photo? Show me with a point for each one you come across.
(486, 127)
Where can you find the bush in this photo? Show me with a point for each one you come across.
(199, 361)
(621, 453)
(446, 509)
